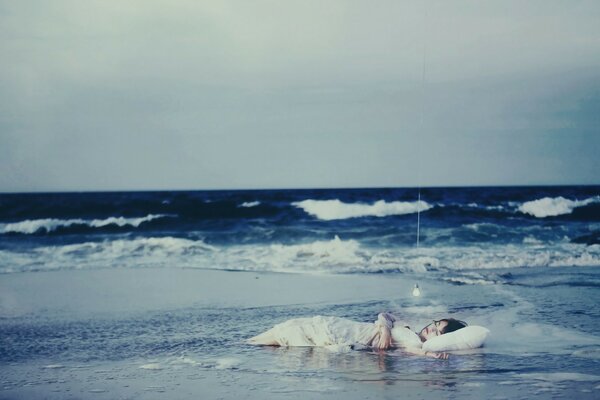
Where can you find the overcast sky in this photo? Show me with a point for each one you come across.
(130, 95)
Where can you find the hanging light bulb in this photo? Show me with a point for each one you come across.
(416, 291)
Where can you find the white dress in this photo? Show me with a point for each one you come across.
(334, 331)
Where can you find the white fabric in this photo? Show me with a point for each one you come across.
(320, 331)
(404, 337)
(334, 331)
(466, 338)
(385, 320)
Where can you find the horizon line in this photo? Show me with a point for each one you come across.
(72, 191)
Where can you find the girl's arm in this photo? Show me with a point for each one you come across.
(382, 337)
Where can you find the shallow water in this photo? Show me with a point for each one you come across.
(182, 335)
(151, 294)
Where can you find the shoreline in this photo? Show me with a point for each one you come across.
(115, 291)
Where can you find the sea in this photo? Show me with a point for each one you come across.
(152, 294)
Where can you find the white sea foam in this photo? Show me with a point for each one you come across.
(469, 281)
(552, 207)
(151, 366)
(483, 227)
(54, 366)
(560, 377)
(249, 204)
(227, 363)
(185, 361)
(530, 240)
(425, 310)
(512, 335)
(329, 210)
(324, 256)
(319, 253)
(593, 353)
(141, 252)
(51, 224)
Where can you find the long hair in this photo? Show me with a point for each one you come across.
(453, 325)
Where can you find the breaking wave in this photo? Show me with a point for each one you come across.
(322, 256)
(249, 204)
(552, 207)
(329, 210)
(52, 224)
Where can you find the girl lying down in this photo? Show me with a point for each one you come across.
(385, 333)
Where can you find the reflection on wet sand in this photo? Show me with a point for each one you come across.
(377, 367)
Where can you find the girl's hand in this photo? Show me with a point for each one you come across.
(385, 338)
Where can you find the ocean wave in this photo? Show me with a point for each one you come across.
(474, 278)
(249, 204)
(483, 226)
(556, 377)
(322, 256)
(329, 210)
(336, 255)
(554, 206)
(485, 207)
(52, 224)
(589, 239)
(133, 253)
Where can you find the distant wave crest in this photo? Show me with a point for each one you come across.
(552, 207)
(51, 224)
(329, 210)
(249, 204)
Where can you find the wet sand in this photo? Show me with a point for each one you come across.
(73, 296)
(178, 333)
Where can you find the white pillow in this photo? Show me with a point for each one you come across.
(469, 337)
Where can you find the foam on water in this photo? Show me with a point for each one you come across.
(466, 280)
(54, 366)
(560, 377)
(329, 210)
(151, 366)
(249, 204)
(552, 207)
(593, 353)
(51, 224)
(532, 241)
(511, 334)
(477, 227)
(322, 256)
(425, 310)
(227, 363)
(185, 361)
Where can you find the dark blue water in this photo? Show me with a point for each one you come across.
(331, 230)
(185, 214)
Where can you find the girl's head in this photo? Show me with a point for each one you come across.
(440, 327)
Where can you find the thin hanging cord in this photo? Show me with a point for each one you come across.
(419, 217)
(421, 129)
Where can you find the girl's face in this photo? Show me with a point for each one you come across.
(432, 330)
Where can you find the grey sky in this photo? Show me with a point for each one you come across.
(101, 95)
